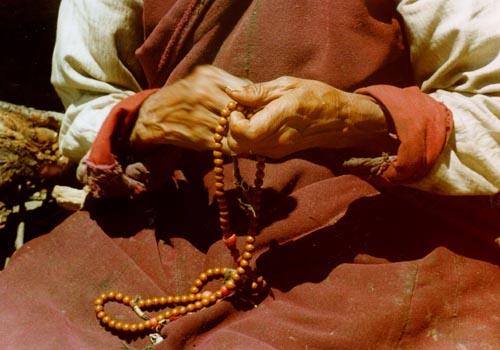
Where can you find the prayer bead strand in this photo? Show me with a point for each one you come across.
(242, 278)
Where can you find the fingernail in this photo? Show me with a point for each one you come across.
(230, 89)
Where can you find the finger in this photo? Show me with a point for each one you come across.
(260, 94)
(237, 139)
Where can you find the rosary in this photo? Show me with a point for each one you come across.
(240, 280)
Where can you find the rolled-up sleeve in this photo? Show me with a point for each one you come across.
(94, 65)
(455, 48)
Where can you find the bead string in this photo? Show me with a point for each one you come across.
(241, 279)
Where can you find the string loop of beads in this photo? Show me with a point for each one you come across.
(240, 279)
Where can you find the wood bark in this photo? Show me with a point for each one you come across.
(29, 148)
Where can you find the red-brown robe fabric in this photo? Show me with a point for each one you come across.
(350, 266)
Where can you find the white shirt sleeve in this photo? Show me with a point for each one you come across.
(94, 65)
(455, 52)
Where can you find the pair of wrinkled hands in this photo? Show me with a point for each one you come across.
(290, 115)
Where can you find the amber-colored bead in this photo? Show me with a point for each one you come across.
(133, 327)
(244, 263)
(219, 170)
(240, 270)
(119, 326)
(101, 314)
(194, 290)
(98, 301)
(225, 112)
(250, 239)
(163, 300)
(104, 296)
(203, 276)
(232, 105)
(223, 119)
(141, 326)
(213, 298)
(106, 319)
(184, 299)
(218, 137)
(218, 146)
(153, 322)
(247, 255)
(112, 324)
(205, 301)
(167, 314)
(148, 302)
(240, 108)
(126, 300)
(235, 276)
(190, 307)
(230, 284)
(219, 129)
(119, 296)
(177, 299)
(220, 196)
(111, 295)
(219, 185)
(125, 327)
(198, 283)
(99, 308)
(217, 271)
(192, 297)
(219, 162)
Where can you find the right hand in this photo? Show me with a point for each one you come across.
(185, 113)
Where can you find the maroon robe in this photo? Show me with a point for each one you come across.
(350, 266)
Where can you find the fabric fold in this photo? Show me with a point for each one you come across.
(423, 126)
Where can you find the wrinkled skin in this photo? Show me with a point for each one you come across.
(291, 115)
(185, 113)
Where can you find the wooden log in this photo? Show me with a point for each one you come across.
(29, 148)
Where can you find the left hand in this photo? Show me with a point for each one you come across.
(295, 114)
